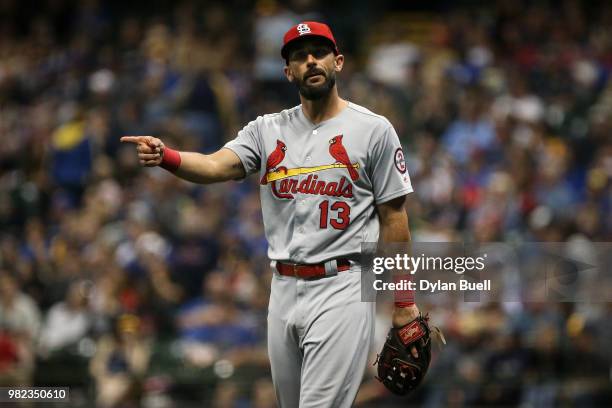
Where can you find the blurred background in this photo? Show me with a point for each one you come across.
(136, 289)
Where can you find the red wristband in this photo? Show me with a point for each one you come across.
(403, 297)
(171, 160)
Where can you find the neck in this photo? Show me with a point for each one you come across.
(324, 108)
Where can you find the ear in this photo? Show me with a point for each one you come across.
(289, 73)
(338, 62)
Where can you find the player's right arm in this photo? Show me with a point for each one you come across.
(222, 165)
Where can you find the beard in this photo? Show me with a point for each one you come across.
(316, 92)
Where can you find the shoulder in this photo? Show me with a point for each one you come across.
(365, 115)
(278, 118)
(379, 128)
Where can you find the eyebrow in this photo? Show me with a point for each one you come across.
(304, 47)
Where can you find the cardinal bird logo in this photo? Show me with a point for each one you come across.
(274, 159)
(338, 152)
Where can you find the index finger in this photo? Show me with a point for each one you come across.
(133, 139)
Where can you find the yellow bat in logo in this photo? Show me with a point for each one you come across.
(282, 174)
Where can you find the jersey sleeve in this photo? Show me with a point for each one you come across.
(389, 172)
(247, 146)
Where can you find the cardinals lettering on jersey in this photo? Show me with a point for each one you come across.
(289, 184)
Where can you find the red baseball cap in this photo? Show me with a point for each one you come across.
(308, 28)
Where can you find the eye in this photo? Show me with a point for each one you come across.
(321, 52)
(298, 55)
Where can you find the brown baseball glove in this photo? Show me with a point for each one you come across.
(397, 368)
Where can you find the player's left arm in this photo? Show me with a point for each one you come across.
(394, 228)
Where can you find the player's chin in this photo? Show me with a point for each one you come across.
(314, 92)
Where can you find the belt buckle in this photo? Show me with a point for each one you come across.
(295, 270)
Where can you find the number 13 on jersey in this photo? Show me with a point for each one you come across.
(340, 217)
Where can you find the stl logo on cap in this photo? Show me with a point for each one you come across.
(303, 29)
(308, 28)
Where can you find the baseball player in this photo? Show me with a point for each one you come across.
(332, 175)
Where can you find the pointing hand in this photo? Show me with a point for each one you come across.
(150, 149)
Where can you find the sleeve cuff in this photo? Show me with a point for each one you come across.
(395, 194)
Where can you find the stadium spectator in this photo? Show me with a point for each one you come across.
(66, 322)
(19, 327)
(120, 363)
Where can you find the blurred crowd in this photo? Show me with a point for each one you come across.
(137, 289)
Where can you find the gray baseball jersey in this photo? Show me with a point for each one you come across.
(319, 187)
(320, 182)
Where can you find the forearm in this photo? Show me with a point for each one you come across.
(198, 168)
(395, 228)
(222, 165)
(205, 169)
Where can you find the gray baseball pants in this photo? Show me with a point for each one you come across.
(319, 336)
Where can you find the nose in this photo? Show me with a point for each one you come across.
(310, 59)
